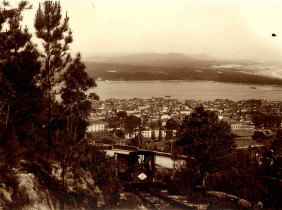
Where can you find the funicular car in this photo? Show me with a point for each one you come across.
(137, 166)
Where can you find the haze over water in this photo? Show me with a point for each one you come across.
(182, 90)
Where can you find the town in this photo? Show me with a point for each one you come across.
(138, 113)
(159, 117)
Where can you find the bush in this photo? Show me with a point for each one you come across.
(259, 136)
(179, 181)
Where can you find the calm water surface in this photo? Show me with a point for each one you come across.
(181, 90)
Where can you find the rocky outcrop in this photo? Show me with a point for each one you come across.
(242, 203)
(29, 186)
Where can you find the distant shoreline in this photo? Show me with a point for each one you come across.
(208, 81)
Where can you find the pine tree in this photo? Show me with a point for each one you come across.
(55, 36)
(76, 102)
(67, 120)
(21, 98)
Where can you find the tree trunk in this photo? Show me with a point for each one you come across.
(63, 173)
(49, 98)
(8, 112)
(202, 175)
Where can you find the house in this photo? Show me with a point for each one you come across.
(148, 134)
(185, 111)
(96, 127)
(235, 125)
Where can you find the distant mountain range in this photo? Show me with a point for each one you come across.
(151, 59)
(172, 66)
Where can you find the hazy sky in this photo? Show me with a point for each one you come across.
(220, 29)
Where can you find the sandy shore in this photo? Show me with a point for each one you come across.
(277, 74)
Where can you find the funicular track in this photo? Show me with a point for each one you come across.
(155, 200)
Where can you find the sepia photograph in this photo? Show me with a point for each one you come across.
(140, 104)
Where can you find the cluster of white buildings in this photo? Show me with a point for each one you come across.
(149, 134)
(96, 127)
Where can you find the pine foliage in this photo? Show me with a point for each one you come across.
(42, 91)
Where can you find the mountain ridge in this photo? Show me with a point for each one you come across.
(154, 59)
(174, 66)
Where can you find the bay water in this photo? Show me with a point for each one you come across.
(182, 90)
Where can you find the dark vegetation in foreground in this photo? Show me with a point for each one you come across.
(141, 72)
(245, 178)
(47, 162)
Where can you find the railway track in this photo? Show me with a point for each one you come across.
(157, 201)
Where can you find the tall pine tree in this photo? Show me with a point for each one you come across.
(75, 100)
(55, 35)
(20, 96)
